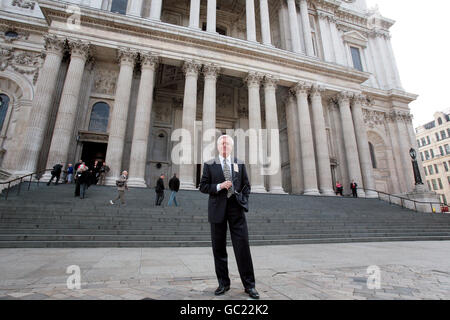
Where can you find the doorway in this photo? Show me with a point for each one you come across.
(93, 151)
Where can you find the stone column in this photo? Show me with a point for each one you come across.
(250, 19)
(45, 89)
(294, 145)
(325, 34)
(363, 146)
(306, 140)
(404, 146)
(67, 111)
(142, 120)
(413, 143)
(155, 9)
(135, 8)
(351, 148)
(211, 72)
(194, 14)
(321, 143)
(253, 81)
(399, 184)
(338, 45)
(265, 22)
(211, 16)
(187, 169)
(293, 25)
(306, 28)
(275, 183)
(119, 115)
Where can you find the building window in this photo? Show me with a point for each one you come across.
(435, 187)
(437, 136)
(356, 57)
(432, 153)
(430, 169)
(445, 166)
(372, 156)
(99, 117)
(429, 185)
(427, 155)
(436, 168)
(448, 179)
(447, 149)
(441, 150)
(443, 135)
(444, 200)
(418, 143)
(219, 29)
(428, 140)
(448, 132)
(4, 103)
(425, 169)
(119, 6)
(421, 156)
(440, 183)
(439, 121)
(312, 23)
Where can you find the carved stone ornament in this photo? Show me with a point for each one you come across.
(54, 44)
(253, 79)
(270, 81)
(301, 88)
(211, 70)
(373, 118)
(80, 48)
(23, 62)
(26, 4)
(191, 68)
(126, 56)
(344, 97)
(316, 91)
(105, 81)
(10, 34)
(149, 60)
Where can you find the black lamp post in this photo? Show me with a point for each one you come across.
(417, 177)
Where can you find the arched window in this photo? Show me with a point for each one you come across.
(4, 102)
(439, 121)
(372, 156)
(99, 117)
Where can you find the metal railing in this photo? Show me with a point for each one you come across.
(38, 176)
(442, 206)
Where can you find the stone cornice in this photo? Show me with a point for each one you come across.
(56, 11)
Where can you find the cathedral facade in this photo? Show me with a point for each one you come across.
(112, 80)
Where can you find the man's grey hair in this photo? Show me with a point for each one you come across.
(228, 137)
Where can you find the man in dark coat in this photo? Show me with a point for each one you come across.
(159, 189)
(174, 186)
(354, 187)
(228, 188)
(56, 172)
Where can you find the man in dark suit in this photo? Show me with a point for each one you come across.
(159, 189)
(354, 186)
(228, 187)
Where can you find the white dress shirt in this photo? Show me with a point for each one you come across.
(222, 162)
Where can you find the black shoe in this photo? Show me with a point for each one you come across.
(221, 290)
(252, 293)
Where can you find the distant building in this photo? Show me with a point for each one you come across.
(433, 139)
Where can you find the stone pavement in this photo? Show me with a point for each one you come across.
(408, 270)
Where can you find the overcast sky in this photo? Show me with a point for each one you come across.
(421, 42)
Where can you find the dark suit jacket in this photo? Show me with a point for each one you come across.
(159, 186)
(212, 176)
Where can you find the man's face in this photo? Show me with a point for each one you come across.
(224, 146)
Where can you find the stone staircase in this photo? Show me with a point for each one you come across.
(50, 216)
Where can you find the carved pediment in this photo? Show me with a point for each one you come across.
(354, 37)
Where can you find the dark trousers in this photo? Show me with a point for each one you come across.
(235, 218)
(77, 188)
(159, 198)
(354, 193)
(57, 179)
(83, 187)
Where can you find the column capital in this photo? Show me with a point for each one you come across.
(148, 60)
(191, 67)
(344, 97)
(211, 71)
(253, 79)
(270, 81)
(301, 88)
(80, 48)
(126, 56)
(54, 44)
(316, 91)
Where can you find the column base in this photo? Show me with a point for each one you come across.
(311, 192)
(258, 189)
(371, 194)
(136, 182)
(327, 192)
(277, 190)
(187, 186)
(361, 193)
(111, 181)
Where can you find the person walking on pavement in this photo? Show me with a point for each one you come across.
(83, 179)
(174, 186)
(159, 189)
(121, 184)
(354, 187)
(104, 169)
(56, 172)
(69, 173)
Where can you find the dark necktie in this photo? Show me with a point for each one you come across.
(227, 174)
